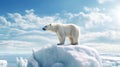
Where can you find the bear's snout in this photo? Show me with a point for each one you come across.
(43, 29)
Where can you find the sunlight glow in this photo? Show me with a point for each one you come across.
(116, 14)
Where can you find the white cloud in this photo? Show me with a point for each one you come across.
(91, 9)
(115, 13)
(16, 32)
(15, 43)
(103, 1)
(102, 37)
(91, 18)
(38, 39)
(72, 15)
(31, 11)
(25, 21)
(31, 20)
(97, 18)
(104, 47)
(13, 46)
(4, 22)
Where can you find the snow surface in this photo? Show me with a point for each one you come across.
(65, 56)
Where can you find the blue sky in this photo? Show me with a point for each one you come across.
(44, 7)
(21, 22)
(47, 7)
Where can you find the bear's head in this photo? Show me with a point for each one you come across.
(47, 27)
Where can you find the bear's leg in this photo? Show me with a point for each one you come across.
(75, 37)
(75, 41)
(61, 39)
(71, 39)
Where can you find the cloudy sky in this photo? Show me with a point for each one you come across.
(21, 22)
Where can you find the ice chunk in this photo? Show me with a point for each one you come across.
(3, 63)
(21, 62)
(32, 62)
(67, 56)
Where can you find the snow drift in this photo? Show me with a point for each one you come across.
(65, 56)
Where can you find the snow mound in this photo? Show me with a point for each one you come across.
(65, 56)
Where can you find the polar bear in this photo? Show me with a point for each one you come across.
(71, 31)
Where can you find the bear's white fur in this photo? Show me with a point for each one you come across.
(65, 30)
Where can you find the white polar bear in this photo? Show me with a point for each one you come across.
(64, 30)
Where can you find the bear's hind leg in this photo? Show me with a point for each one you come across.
(75, 37)
(71, 40)
(75, 41)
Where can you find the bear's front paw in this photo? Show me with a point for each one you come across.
(60, 43)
